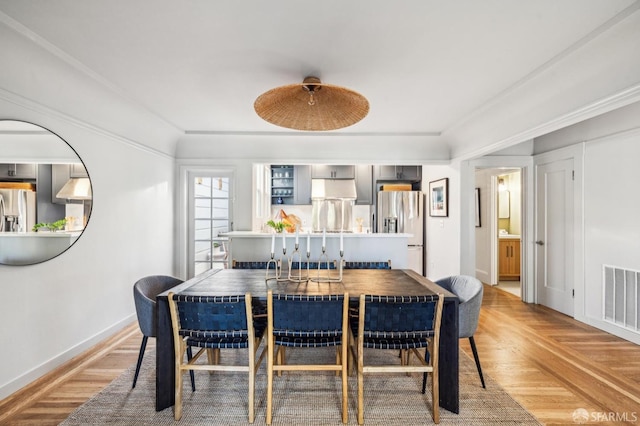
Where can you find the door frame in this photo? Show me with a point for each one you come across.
(577, 153)
(184, 171)
(468, 171)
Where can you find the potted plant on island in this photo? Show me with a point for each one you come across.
(278, 226)
(58, 225)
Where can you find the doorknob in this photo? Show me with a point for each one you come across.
(540, 243)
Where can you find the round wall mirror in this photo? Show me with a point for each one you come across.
(45, 194)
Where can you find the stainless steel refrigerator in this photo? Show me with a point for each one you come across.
(17, 210)
(403, 212)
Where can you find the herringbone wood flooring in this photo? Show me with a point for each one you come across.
(547, 361)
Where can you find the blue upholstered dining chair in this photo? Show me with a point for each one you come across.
(212, 323)
(252, 264)
(367, 265)
(405, 323)
(469, 291)
(306, 321)
(145, 291)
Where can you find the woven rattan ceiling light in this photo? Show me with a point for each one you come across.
(312, 105)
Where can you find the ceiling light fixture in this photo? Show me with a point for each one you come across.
(311, 105)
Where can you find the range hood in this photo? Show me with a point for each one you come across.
(333, 189)
(76, 189)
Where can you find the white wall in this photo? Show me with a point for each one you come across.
(611, 206)
(443, 251)
(55, 310)
(612, 209)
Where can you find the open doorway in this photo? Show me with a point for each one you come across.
(509, 215)
(498, 236)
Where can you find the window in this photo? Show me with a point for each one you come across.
(210, 216)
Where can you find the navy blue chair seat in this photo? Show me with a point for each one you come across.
(213, 323)
(313, 265)
(240, 264)
(367, 265)
(306, 321)
(397, 322)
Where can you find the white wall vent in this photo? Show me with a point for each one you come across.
(621, 297)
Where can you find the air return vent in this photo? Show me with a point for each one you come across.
(621, 294)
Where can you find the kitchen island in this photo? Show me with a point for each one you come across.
(358, 247)
(26, 248)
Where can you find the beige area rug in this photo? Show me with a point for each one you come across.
(311, 398)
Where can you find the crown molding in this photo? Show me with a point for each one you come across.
(22, 102)
(621, 16)
(298, 133)
(594, 109)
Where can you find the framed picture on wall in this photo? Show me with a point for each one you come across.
(478, 223)
(439, 198)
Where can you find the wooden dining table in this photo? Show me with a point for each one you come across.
(222, 282)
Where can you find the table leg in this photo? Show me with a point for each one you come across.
(165, 367)
(449, 362)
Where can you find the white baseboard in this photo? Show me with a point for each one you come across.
(610, 328)
(49, 365)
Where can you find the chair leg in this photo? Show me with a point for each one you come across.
(424, 375)
(345, 392)
(279, 358)
(252, 383)
(360, 386)
(177, 406)
(435, 396)
(143, 346)
(270, 361)
(475, 356)
(193, 379)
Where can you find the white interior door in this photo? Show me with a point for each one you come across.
(554, 235)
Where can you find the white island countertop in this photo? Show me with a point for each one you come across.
(301, 235)
(251, 246)
(25, 248)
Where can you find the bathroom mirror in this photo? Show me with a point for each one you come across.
(503, 205)
(45, 194)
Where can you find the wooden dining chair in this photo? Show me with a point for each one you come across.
(213, 323)
(405, 323)
(306, 321)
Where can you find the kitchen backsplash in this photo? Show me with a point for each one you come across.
(304, 213)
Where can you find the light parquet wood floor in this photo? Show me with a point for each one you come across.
(550, 363)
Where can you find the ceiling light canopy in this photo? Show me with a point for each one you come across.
(312, 105)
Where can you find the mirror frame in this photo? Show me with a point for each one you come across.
(41, 246)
